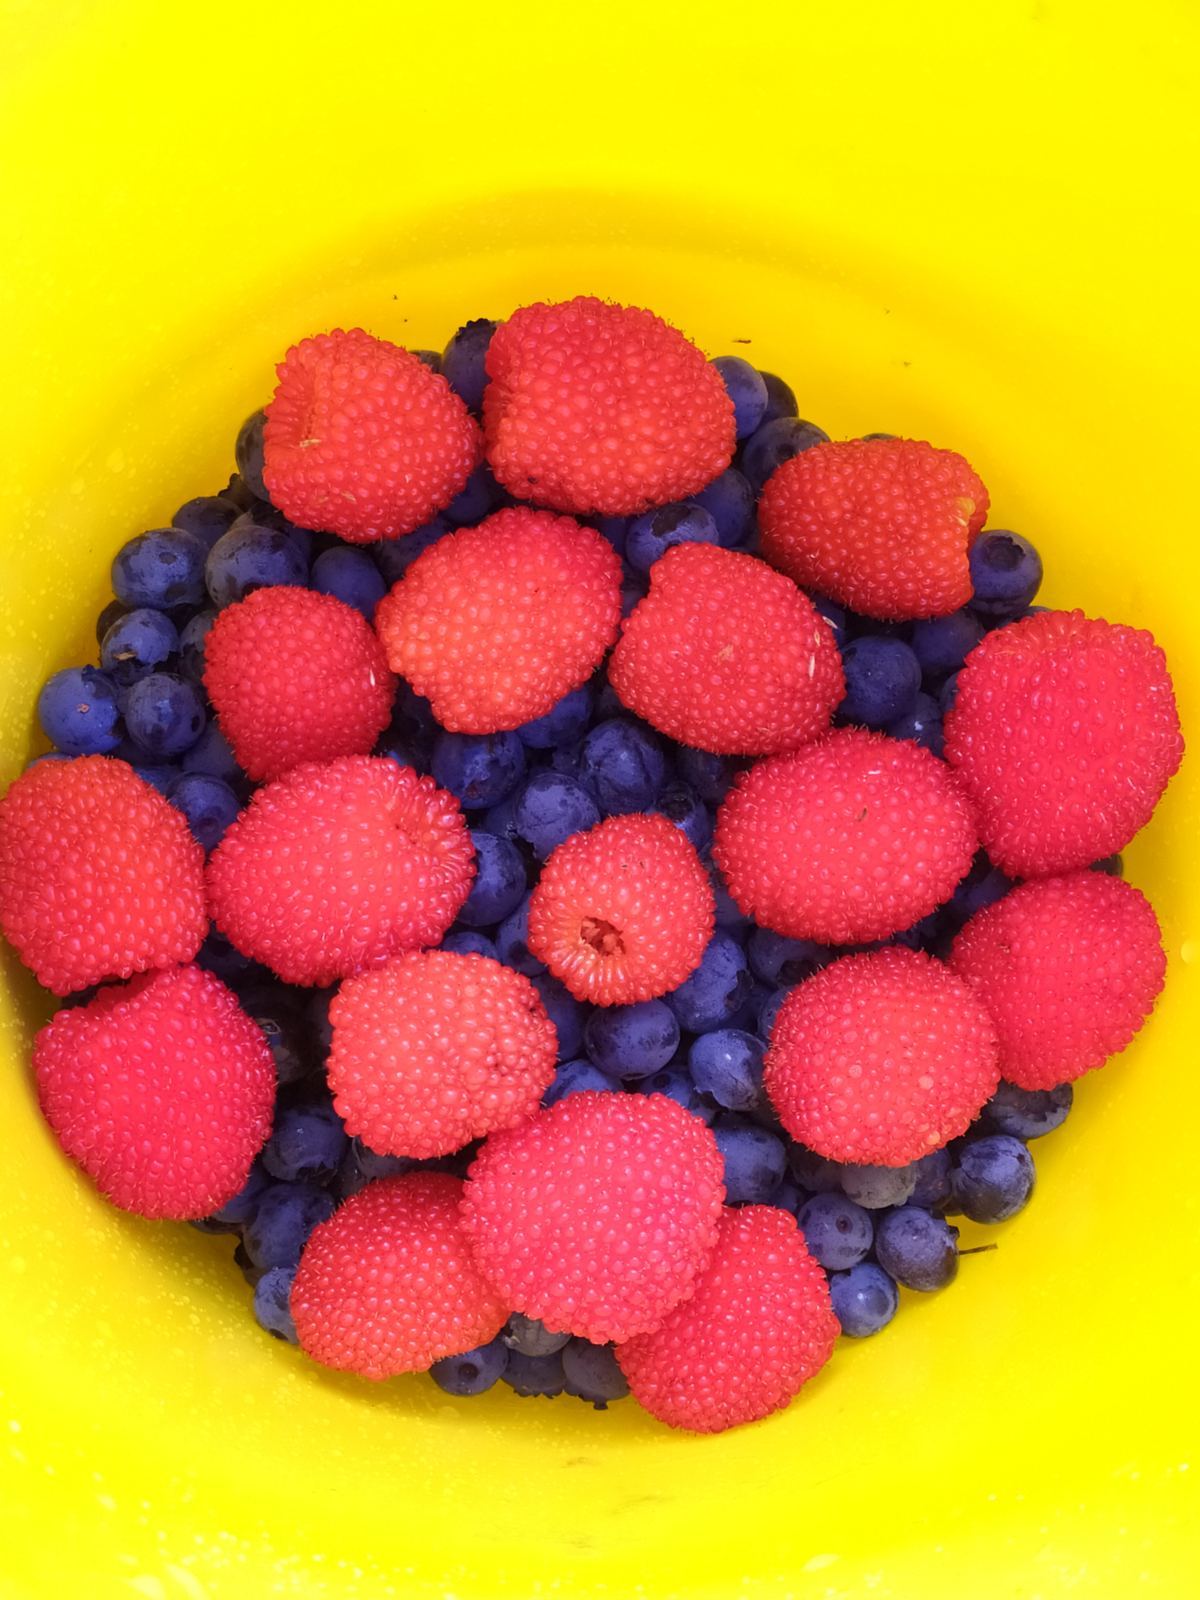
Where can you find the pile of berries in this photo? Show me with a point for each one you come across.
(581, 875)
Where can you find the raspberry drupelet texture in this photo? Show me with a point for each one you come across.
(623, 912)
(880, 525)
(387, 1284)
(495, 624)
(880, 1058)
(598, 1215)
(436, 1049)
(333, 869)
(296, 676)
(1069, 969)
(757, 1327)
(362, 439)
(849, 839)
(727, 656)
(161, 1089)
(594, 407)
(1065, 734)
(99, 875)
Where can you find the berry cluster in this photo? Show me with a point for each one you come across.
(562, 915)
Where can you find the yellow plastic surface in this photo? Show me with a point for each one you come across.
(970, 222)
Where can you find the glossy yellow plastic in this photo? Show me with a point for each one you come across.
(972, 223)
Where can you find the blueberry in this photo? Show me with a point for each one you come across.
(572, 1077)
(192, 639)
(109, 615)
(768, 1011)
(591, 1373)
(726, 911)
(781, 401)
(412, 716)
(217, 955)
(813, 1172)
(942, 644)
(729, 501)
(474, 1372)
(564, 723)
(948, 694)
(499, 884)
(239, 492)
(774, 443)
(306, 1145)
(755, 1159)
(211, 756)
(922, 725)
(1006, 573)
(982, 886)
(932, 1188)
(529, 1337)
(372, 1165)
(350, 576)
(160, 569)
(164, 714)
(206, 518)
(634, 589)
(877, 1187)
(710, 776)
(283, 1219)
(679, 1086)
(652, 534)
(614, 529)
(838, 1232)
(429, 358)
(686, 811)
(477, 498)
(883, 679)
(78, 711)
(249, 1269)
(836, 616)
(209, 805)
(623, 765)
(136, 643)
(717, 988)
(248, 453)
(916, 1248)
(564, 1011)
(501, 819)
(993, 1178)
(463, 361)
(158, 777)
(478, 769)
(278, 1012)
(777, 959)
(272, 1308)
(1114, 866)
(535, 1376)
(787, 1195)
(512, 942)
(1028, 1113)
(864, 1299)
(251, 557)
(728, 1066)
(745, 387)
(631, 1041)
(393, 557)
(549, 809)
(467, 942)
(238, 1211)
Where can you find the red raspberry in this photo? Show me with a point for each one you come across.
(728, 656)
(756, 1329)
(494, 624)
(597, 1215)
(880, 1058)
(594, 407)
(437, 1049)
(623, 912)
(850, 839)
(1065, 734)
(881, 525)
(99, 875)
(333, 869)
(296, 676)
(1069, 969)
(362, 439)
(387, 1284)
(161, 1089)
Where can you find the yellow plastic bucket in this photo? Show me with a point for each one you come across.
(972, 223)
